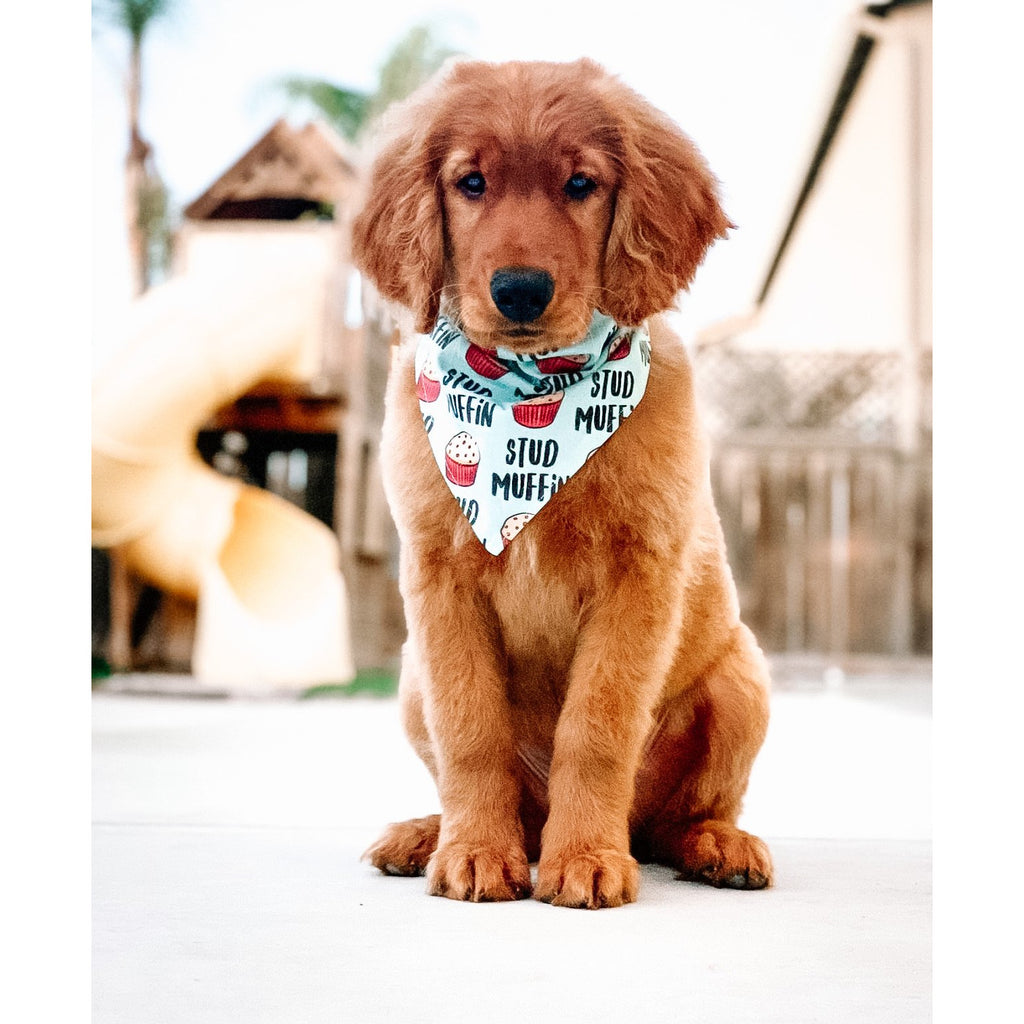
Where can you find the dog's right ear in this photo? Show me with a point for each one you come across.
(398, 237)
(667, 212)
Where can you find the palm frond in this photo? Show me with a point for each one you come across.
(134, 16)
(344, 109)
(413, 60)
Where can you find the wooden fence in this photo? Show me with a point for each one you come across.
(830, 543)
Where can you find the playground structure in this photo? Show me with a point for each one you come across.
(260, 273)
(271, 602)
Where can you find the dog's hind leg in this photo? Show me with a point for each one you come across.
(406, 846)
(695, 772)
(716, 853)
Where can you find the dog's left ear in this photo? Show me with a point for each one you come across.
(666, 215)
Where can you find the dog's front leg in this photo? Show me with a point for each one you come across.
(480, 854)
(624, 653)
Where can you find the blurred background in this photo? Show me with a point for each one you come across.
(240, 536)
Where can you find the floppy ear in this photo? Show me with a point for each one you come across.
(666, 214)
(398, 238)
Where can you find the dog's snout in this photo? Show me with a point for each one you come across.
(522, 293)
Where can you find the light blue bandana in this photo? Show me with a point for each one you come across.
(508, 430)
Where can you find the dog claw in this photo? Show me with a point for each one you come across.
(404, 870)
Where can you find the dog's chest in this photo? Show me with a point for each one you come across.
(538, 616)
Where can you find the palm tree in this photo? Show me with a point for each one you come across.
(145, 193)
(412, 61)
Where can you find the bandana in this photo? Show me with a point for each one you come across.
(508, 430)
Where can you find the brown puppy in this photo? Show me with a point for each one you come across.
(590, 694)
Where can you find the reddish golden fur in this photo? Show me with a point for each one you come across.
(590, 694)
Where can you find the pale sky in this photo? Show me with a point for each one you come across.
(749, 80)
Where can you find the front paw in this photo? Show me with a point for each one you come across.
(478, 873)
(591, 879)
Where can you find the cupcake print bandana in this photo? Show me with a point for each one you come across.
(508, 430)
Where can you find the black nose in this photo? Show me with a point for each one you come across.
(521, 293)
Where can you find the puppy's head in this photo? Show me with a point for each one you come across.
(523, 196)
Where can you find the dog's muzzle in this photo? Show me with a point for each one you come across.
(521, 293)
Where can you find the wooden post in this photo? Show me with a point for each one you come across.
(839, 558)
(818, 587)
(122, 601)
(903, 570)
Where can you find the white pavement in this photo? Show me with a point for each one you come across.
(227, 885)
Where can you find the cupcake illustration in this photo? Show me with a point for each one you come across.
(620, 347)
(461, 459)
(428, 385)
(537, 412)
(556, 363)
(511, 527)
(485, 362)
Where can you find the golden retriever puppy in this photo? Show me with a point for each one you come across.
(581, 688)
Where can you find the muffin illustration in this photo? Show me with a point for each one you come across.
(555, 363)
(620, 347)
(428, 385)
(537, 412)
(484, 361)
(461, 459)
(511, 527)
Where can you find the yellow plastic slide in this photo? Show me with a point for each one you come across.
(272, 607)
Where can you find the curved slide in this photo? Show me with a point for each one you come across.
(272, 607)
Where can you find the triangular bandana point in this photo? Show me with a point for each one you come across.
(508, 430)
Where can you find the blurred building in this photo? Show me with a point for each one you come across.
(819, 399)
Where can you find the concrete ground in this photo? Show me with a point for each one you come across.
(227, 885)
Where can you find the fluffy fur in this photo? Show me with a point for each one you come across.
(590, 695)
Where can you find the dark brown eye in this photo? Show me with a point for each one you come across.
(473, 185)
(579, 186)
